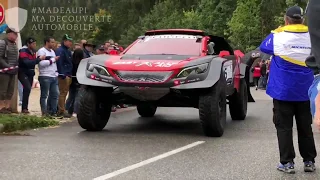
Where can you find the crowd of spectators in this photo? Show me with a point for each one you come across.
(56, 62)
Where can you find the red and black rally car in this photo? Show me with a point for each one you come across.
(166, 68)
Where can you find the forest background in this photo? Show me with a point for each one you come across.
(244, 23)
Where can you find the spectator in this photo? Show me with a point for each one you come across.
(256, 75)
(263, 71)
(8, 58)
(106, 45)
(20, 87)
(83, 41)
(65, 72)
(58, 45)
(88, 49)
(71, 104)
(119, 47)
(77, 46)
(48, 78)
(289, 81)
(100, 50)
(111, 42)
(27, 63)
(110, 50)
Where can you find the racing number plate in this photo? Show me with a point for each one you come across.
(228, 70)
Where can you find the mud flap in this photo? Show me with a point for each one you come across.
(247, 78)
(246, 69)
(249, 59)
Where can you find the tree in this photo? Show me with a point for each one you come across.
(243, 22)
(245, 25)
(215, 14)
(164, 14)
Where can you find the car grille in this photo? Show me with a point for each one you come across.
(143, 76)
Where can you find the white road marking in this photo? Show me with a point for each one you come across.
(148, 161)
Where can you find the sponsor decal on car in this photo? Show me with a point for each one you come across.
(169, 37)
(227, 67)
(189, 81)
(150, 64)
(145, 64)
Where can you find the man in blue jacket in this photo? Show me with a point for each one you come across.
(64, 66)
(289, 81)
(27, 63)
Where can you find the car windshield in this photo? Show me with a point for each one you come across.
(167, 45)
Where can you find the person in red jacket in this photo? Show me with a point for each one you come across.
(120, 48)
(256, 75)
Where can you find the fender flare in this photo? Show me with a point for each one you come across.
(82, 77)
(211, 79)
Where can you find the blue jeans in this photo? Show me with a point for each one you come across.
(313, 92)
(20, 89)
(72, 101)
(49, 94)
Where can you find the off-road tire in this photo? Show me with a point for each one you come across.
(238, 102)
(93, 115)
(146, 109)
(212, 109)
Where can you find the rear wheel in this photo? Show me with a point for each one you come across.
(146, 109)
(238, 102)
(212, 109)
(93, 114)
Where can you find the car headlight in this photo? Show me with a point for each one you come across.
(100, 69)
(199, 69)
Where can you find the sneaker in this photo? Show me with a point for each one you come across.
(45, 115)
(25, 111)
(56, 116)
(287, 168)
(64, 115)
(309, 166)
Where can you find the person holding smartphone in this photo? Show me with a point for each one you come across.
(48, 78)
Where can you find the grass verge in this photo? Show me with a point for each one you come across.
(20, 122)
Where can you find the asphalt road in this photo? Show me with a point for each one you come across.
(247, 151)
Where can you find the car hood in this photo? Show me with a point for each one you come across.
(147, 63)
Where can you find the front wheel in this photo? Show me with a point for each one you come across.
(93, 114)
(238, 102)
(212, 109)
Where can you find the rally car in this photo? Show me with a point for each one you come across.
(166, 68)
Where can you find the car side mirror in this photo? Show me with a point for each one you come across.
(210, 47)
